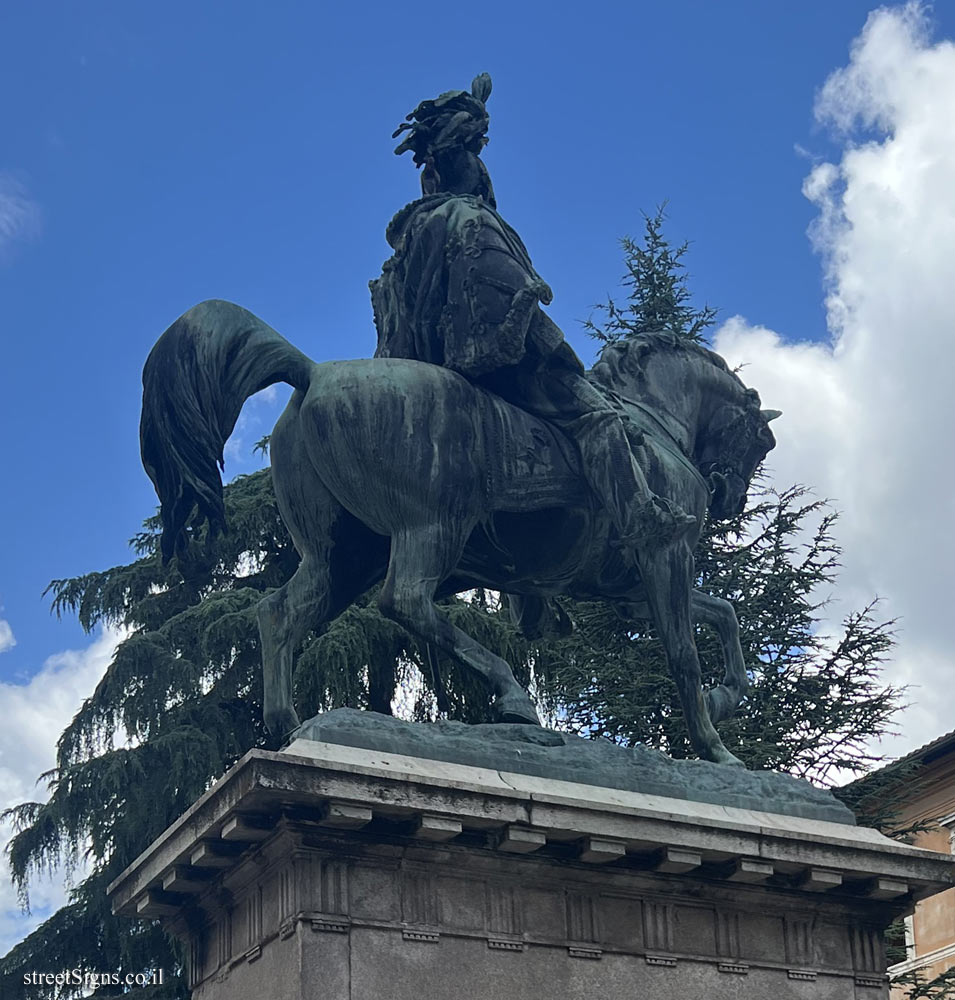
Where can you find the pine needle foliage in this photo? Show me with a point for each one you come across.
(816, 700)
(916, 985)
(658, 294)
(182, 701)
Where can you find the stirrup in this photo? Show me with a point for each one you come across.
(663, 522)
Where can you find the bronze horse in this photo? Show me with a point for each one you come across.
(404, 471)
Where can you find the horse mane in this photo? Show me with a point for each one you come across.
(642, 346)
(626, 359)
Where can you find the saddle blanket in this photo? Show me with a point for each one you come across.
(531, 465)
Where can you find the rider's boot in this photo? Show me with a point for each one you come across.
(642, 518)
(656, 522)
(665, 520)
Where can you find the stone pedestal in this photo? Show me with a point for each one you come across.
(342, 873)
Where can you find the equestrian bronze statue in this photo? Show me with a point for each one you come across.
(472, 451)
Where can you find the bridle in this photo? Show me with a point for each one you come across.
(714, 476)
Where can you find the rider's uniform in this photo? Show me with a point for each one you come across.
(460, 291)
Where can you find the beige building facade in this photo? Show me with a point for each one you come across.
(930, 930)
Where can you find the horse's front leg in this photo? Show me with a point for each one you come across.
(667, 574)
(722, 701)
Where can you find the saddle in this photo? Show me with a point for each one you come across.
(531, 464)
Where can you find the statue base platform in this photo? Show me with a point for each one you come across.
(350, 873)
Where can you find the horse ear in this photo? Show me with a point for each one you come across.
(771, 414)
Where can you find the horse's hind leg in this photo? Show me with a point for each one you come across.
(285, 616)
(723, 700)
(341, 558)
(421, 559)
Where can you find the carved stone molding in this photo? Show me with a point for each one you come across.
(451, 878)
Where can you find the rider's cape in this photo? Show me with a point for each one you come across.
(460, 290)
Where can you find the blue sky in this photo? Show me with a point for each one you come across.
(153, 156)
(243, 151)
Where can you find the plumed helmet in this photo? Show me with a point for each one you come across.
(457, 120)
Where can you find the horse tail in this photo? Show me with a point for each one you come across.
(196, 378)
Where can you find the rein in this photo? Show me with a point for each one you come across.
(670, 442)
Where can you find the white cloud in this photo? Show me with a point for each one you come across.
(34, 715)
(867, 417)
(7, 638)
(19, 214)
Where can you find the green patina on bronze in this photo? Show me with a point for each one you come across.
(473, 450)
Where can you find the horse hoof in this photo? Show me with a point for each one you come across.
(723, 756)
(516, 709)
(281, 725)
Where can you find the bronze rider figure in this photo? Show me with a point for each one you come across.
(461, 291)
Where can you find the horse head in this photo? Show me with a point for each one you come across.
(698, 402)
(730, 448)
